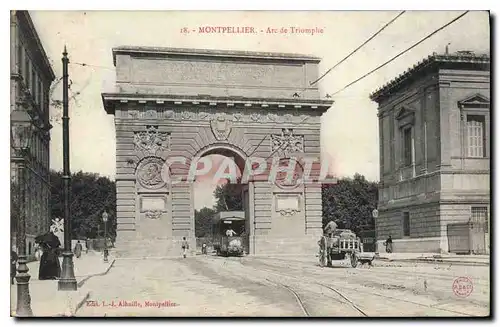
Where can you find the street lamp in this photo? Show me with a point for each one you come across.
(21, 136)
(67, 282)
(105, 219)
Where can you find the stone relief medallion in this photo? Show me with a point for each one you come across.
(221, 127)
(286, 182)
(151, 141)
(152, 214)
(149, 173)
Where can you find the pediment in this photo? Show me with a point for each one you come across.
(404, 112)
(475, 101)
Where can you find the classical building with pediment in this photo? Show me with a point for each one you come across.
(434, 120)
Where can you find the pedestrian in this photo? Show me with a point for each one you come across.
(13, 265)
(50, 268)
(78, 249)
(204, 248)
(87, 245)
(388, 245)
(185, 246)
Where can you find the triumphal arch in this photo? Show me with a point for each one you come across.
(190, 103)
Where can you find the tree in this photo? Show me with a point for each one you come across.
(91, 195)
(228, 197)
(203, 221)
(350, 202)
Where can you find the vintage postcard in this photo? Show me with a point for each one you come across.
(250, 163)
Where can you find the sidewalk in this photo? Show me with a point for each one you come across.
(480, 260)
(47, 301)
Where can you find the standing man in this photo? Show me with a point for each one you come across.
(185, 246)
(388, 245)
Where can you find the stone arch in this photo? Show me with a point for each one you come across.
(224, 149)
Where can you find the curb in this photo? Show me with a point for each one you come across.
(438, 261)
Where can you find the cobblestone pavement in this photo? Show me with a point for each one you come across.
(251, 286)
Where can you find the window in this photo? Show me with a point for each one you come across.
(39, 92)
(479, 216)
(475, 136)
(27, 70)
(20, 59)
(41, 101)
(406, 224)
(33, 82)
(407, 148)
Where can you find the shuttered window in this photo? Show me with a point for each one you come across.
(475, 136)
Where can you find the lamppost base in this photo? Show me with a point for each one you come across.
(67, 282)
(23, 291)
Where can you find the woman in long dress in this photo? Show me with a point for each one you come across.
(50, 268)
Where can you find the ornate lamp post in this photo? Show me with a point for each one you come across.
(67, 282)
(21, 136)
(105, 219)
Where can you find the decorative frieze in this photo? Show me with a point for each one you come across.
(211, 114)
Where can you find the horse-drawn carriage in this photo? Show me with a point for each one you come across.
(224, 243)
(340, 245)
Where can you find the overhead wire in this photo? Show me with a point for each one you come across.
(401, 53)
(358, 48)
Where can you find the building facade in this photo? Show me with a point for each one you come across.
(190, 103)
(31, 76)
(434, 122)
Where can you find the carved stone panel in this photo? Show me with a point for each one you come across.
(287, 143)
(287, 204)
(221, 126)
(149, 173)
(153, 214)
(151, 142)
(153, 203)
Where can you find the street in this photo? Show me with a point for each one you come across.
(285, 286)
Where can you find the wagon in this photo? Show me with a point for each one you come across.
(342, 244)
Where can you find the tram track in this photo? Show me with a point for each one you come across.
(295, 294)
(299, 299)
(386, 270)
(352, 303)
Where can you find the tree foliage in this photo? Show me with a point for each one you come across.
(203, 221)
(91, 195)
(350, 202)
(228, 197)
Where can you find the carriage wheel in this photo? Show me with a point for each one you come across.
(322, 252)
(354, 260)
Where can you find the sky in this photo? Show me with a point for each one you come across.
(349, 131)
